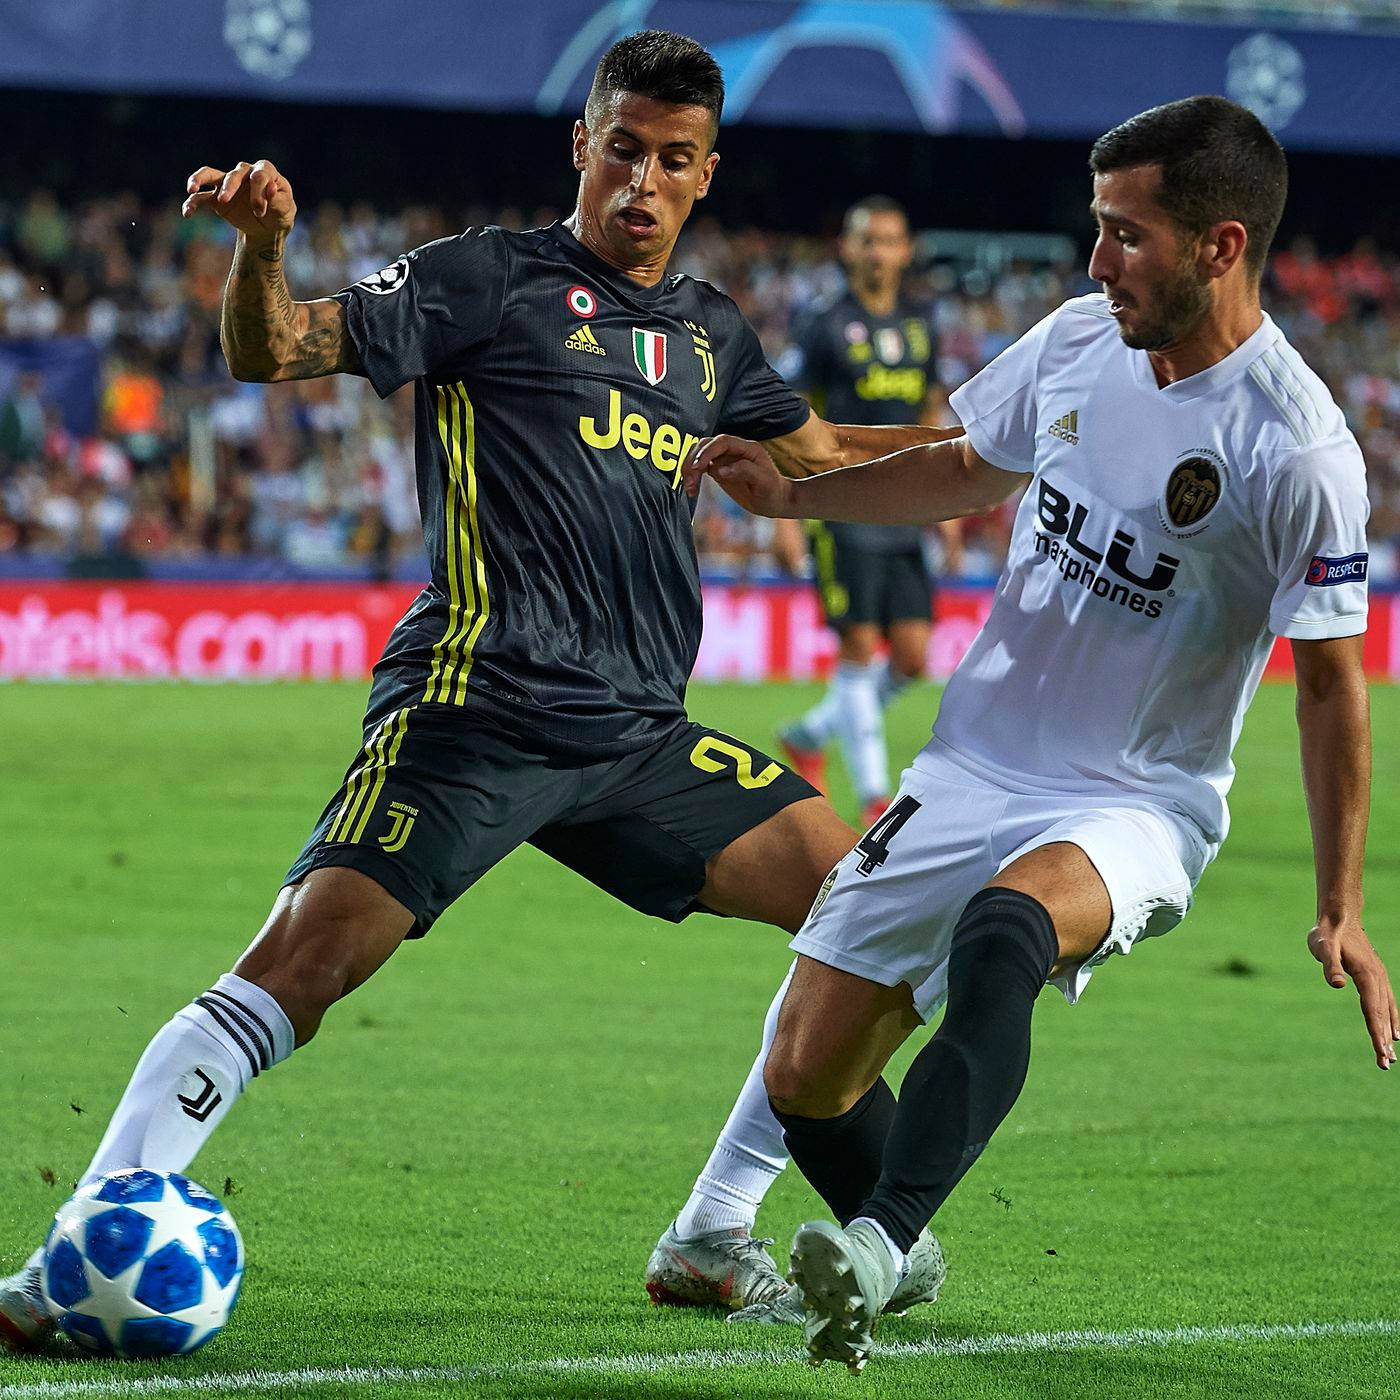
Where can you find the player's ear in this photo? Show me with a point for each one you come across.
(580, 144)
(1223, 246)
(707, 173)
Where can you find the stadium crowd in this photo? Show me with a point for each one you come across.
(185, 470)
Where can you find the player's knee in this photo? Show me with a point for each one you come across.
(803, 1087)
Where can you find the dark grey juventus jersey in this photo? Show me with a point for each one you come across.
(860, 368)
(556, 399)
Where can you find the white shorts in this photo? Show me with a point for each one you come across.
(891, 920)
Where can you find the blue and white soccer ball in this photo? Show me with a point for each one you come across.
(142, 1263)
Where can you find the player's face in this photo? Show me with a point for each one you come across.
(644, 165)
(1149, 268)
(876, 248)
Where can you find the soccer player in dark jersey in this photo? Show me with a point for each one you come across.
(863, 357)
(535, 690)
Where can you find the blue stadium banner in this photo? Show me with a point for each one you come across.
(894, 64)
(69, 370)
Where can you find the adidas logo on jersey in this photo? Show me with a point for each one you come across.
(1067, 428)
(584, 339)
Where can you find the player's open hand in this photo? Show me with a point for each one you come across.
(1345, 952)
(744, 470)
(255, 198)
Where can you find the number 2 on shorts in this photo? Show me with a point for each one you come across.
(703, 757)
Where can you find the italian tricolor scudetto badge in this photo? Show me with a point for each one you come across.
(649, 351)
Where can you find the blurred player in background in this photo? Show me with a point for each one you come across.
(535, 690)
(1193, 494)
(864, 358)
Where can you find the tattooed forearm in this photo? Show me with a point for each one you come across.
(325, 347)
(276, 282)
(266, 335)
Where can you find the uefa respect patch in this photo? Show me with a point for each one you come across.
(1324, 572)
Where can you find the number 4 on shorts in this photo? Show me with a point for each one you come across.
(874, 846)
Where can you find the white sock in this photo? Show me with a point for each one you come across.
(891, 683)
(748, 1157)
(863, 729)
(817, 728)
(901, 1260)
(197, 1065)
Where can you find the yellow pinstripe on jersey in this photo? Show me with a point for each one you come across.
(468, 603)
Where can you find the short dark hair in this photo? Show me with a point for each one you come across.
(1218, 162)
(872, 204)
(658, 64)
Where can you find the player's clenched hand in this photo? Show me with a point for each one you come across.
(1345, 952)
(744, 470)
(255, 198)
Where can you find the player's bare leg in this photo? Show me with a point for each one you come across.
(908, 641)
(322, 939)
(1049, 910)
(772, 873)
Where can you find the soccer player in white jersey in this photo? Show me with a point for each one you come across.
(1193, 493)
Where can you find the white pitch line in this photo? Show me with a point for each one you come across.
(639, 1364)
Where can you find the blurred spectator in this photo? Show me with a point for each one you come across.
(22, 419)
(131, 405)
(41, 232)
(305, 478)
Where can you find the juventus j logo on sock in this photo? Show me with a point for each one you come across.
(202, 1104)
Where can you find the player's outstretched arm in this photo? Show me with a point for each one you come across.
(818, 446)
(1335, 734)
(266, 335)
(918, 486)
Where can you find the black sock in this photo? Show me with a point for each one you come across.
(841, 1156)
(964, 1081)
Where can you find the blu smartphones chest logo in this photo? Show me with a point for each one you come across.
(1325, 573)
(1109, 572)
(1066, 518)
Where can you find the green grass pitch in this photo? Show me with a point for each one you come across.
(464, 1174)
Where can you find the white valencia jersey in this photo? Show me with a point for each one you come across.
(1166, 537)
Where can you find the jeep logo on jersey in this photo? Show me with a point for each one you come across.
(1192, 491)
(665, 445)
(1062, 541)
(387, 279)
(649, 351)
